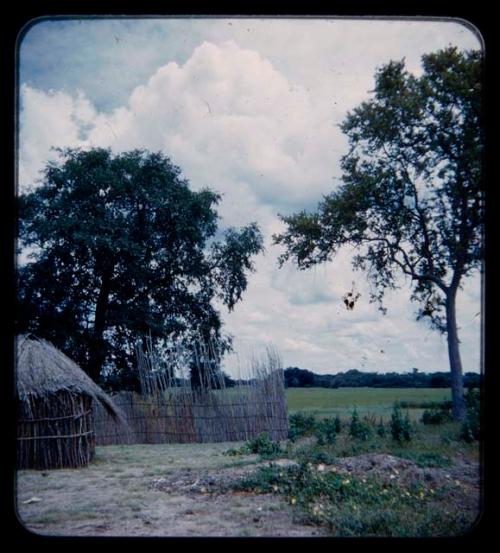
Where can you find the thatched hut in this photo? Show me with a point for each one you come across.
(54, 396)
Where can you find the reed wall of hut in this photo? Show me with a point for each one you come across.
(55, 400)
(56, 431)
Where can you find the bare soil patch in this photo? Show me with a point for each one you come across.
(388, 467)
(188, 490)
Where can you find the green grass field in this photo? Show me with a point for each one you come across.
(326, 402)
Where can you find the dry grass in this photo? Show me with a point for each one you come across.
(115, 496)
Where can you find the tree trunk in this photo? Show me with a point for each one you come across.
(457, 388)
(98, 348)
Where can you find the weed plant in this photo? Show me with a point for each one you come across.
(401, 428)
(300, 424)
(326, 431)
(351, 506)
(470, 430)
(261, 445)
(358, 429)
(381, 428)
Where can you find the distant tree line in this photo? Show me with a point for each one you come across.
(302, 378)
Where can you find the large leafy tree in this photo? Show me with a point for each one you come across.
(411, 199)
(122, 248)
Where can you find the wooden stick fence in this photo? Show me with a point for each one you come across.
(171, 410)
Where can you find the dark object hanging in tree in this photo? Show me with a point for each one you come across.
(351, 298)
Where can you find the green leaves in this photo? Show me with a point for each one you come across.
(358, 429)
(410, 201)
(401, 428)
(123, 252)
(231, 259)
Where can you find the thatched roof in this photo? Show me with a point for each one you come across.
(42, 370)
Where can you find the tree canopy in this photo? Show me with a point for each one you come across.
(411, 198)
(122, 248)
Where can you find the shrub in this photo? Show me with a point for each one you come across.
(300, 425)
(316, 455)
(358, 429)
(381, 428)
(470, 426)
(326, 432)
(263, 446)
(338, 424)
(232, 452)
(436, 416)
(401, 428)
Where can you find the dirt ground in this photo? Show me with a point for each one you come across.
(160, 490)
(185, 491)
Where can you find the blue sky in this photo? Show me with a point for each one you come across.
(250, 108)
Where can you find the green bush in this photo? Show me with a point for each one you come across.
(300, 425)
(232, 452)
(381, 428)
(401, 429)
(316, 455)
(326, 432)
(470, 427)
(263, 446)
(358, 429)
(338, 424)
(436, 416)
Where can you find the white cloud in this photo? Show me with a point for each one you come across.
(47, 120)
(255, 119)
(228, 118)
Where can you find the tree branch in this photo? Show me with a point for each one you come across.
(407, 267)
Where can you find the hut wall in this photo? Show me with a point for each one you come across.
(55, 431)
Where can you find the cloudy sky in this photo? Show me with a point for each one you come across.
(249, 108)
